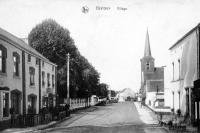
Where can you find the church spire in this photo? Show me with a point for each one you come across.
(147, 50)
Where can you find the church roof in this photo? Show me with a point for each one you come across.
(147, 50)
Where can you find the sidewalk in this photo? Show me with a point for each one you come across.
(35, 128)
(44, 126)
(146, 115)
(28, 129)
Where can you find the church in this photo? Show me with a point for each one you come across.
(152, 79)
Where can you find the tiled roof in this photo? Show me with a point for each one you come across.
(22, 45)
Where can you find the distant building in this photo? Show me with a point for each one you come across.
(152, 78)
(27, 79)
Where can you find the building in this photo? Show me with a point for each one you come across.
(27, 79)
(152, 78)
(185, 74)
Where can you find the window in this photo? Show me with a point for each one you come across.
(5, 104)
(52, 68)
(15, 101)
(37, 61)
(44, 101)
(29, 58)
(42, 63)
(147, 65)
(1, 62)
(53, 81)
(173, 70)
(32, 99)
(43, 79)
(179, 68)
(16, 60)
(3, 56)
(32, 75)
(48, 79)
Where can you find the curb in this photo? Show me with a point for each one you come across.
(54, 123)
(48, 125)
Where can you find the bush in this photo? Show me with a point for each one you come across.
(178, 111)
(170, 123)
(172, 110)
(67, 107)
(44, 110)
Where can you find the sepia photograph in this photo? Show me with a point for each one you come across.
(99, 66)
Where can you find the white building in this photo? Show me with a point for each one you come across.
(183, 70)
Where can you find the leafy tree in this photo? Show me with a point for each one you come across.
(103, 90)
(54, 42)
(113, 93)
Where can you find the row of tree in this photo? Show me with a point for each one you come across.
(54, 42)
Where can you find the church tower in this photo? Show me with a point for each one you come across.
(147, 62)
(152, 78)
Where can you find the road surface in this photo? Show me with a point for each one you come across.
(114, 118)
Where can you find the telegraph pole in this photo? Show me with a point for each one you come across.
(68, 79)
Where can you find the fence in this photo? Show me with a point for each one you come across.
(79, 103)
(30, 120)
(37, 119)
(85, 102)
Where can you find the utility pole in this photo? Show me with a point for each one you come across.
(68, 79)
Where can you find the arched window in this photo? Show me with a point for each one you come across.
(16, 60)
(16, 101)
(3, 56)
(5, 104)
(32, 103)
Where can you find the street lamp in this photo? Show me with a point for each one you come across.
(68, 79)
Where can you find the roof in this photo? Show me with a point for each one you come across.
(188, 33)
(21, 45)
(147, 50)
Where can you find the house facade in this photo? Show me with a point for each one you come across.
(184, 72)
(152, 78)
(21, 69)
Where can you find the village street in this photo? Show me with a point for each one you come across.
(126, 117)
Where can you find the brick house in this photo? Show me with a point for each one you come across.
(27, 79)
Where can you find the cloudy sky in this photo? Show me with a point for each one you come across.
(112, 40)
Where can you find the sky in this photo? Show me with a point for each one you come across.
(112, 40)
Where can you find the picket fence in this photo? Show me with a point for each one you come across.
(82, 103)
(79, 103)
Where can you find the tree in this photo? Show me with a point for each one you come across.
(54, 42)
(113, 93)
(103, 90)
